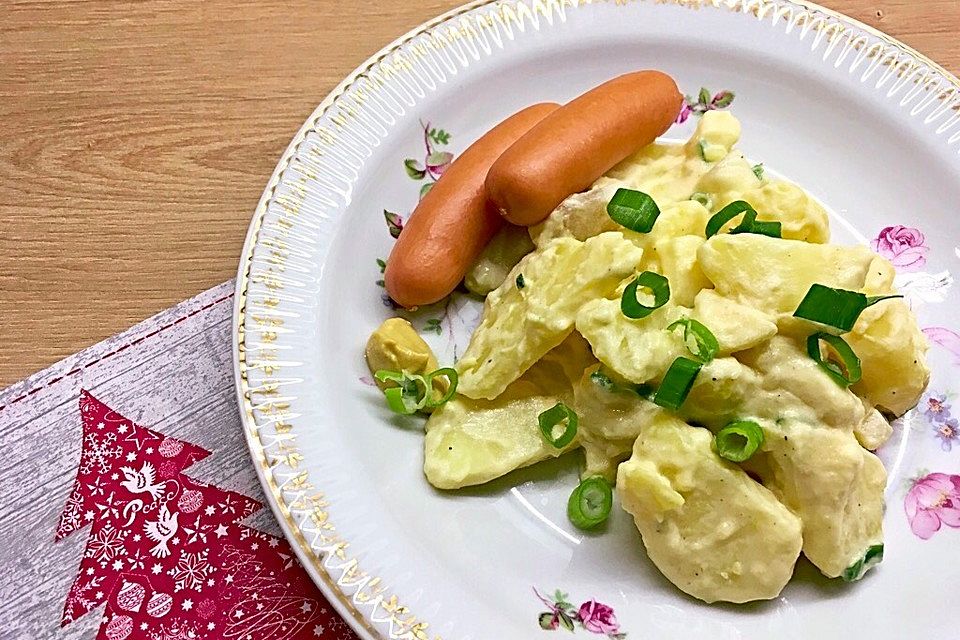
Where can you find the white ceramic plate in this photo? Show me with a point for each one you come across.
(867, 125)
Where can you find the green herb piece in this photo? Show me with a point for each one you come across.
(677, 383)
(656, 284)
(738, 441)
(554, 417)
(871, 558)
(590, 503)
(699, 340)
(838, 308)
(634, 210)
(842, 364)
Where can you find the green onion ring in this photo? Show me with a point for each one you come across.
(658, 285)
(871, 558)
(451, 375)
(850, 373)
(634, 210)
(553, 417)
(725, 215)
(703, 339)
(590, 503)
(739, 440)
(409, 396)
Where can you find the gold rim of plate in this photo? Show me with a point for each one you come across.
(371, 608)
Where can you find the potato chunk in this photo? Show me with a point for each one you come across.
(711, 530)
(520, 325)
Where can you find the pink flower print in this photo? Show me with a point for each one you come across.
(597, 617)
(685, 111)
(933, 500)
(948, 432)
(904, 247)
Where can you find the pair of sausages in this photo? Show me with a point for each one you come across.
(520, 171)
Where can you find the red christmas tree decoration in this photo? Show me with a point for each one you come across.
(167, 553)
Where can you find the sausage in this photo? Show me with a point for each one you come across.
(571, 148)
(453, 222)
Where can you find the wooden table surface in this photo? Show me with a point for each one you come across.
(136, 138)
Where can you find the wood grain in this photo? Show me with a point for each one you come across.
(136, 138)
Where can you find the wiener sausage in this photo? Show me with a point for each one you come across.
(569, 149)
(453, 222)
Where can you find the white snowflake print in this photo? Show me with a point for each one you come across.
(191, 571)
(228, 506)
(136, 559)
(97, 486)
(99, 452)
(196, 531)
(106, 544)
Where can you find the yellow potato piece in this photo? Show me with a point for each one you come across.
(785, 365)
(773, 275)
(470, 442)
(832, 483)
(800, 216)
(874, 431)
(611, 418)
(735, 326)
(727, 180)
(520, 325)
(711, 530)
(892, 352)
(677, 260)
(638, 350)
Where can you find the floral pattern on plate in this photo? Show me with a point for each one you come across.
(933, 500)
(592, 616)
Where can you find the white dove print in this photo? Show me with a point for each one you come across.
(142, 481)
(161, 530)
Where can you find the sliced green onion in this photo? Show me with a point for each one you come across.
(725, 215)
(738, 440)
(602, 380)
(677, 383)
(698, 339)
(758, 170)
(634, 210)
(837, 308)
(702, 198)
(606, 383)
(703, 150)
(847, 371)
(520, 283)
(552, 418)
(409, 396)
(658, 286)
(644, 390)
(749, 224)
(590, 503)
(871, 558)
(452, 379)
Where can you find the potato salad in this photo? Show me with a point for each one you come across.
(724, 370)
